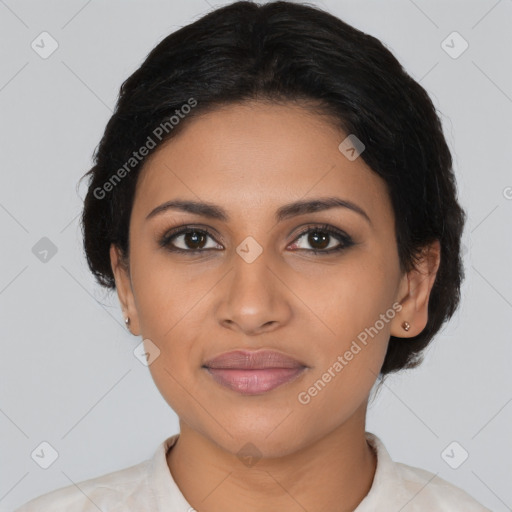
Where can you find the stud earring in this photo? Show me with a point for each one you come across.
(406, 326)
(127, 321)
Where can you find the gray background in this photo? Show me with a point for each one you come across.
(69, 376)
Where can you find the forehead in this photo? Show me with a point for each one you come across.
(257, 156)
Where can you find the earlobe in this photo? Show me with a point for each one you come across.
(417, 284)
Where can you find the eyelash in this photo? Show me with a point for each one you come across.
(345, 240)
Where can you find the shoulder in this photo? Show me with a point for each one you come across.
(430, 491)
(105, 493)
(411, 489)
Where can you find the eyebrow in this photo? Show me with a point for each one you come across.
(287, 211)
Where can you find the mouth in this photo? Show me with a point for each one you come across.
(253, 373)
(254, 382)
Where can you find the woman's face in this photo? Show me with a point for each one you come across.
(256, 282)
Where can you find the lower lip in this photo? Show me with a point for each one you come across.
(254, 382)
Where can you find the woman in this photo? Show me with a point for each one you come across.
(274, 202)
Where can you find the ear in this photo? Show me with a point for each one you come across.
(121, 273)
(414, 292)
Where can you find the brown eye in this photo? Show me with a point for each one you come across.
(194, 239)
(318, 239)
(322, 240)
(188, 240)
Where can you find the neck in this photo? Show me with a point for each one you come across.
(333, 473)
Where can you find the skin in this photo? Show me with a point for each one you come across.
(250, 159)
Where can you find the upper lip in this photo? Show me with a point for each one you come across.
(253, 360)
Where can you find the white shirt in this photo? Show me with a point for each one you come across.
(150, 487)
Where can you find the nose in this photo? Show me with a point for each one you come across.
(253, 299)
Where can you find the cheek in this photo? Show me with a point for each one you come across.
(177, 368)
(347, 370)
(167, 308)
(348, 297)
(164, 293)
(356, 311)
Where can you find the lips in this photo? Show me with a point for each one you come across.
(253, 360)
(252, 373)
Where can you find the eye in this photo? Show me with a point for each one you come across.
(322, 239)
(188, 239)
